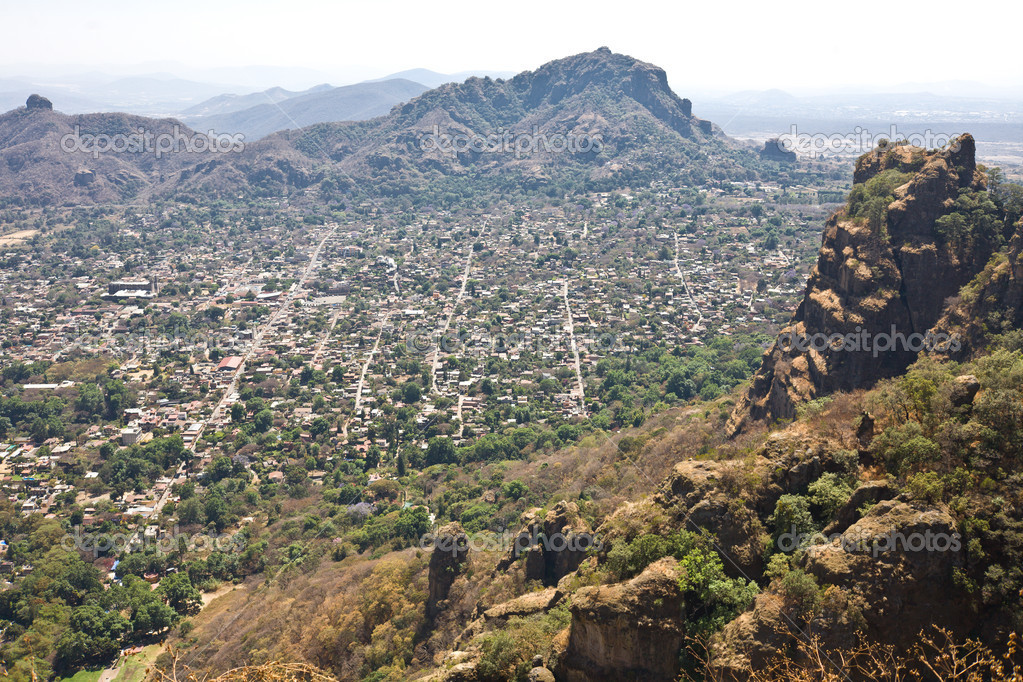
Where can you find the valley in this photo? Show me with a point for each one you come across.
(341, 404)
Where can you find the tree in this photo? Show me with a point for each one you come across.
(411, 392)
(263, 421)
(440, 450)
(372, 457)
(181, 596)
(237, 413)
(319, 426)
(190, 511)
(412, 523)
(93, 636)
(153, 618)
(792, 516)
(115, 398)
(216, 511)
(219, 469)
(89, 401)
(294, 474)
(107, 450)
(513, 490)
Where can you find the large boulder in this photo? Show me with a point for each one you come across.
(693, 491)
(84, 178)
(628, 632)
(898, 561)
(891, 577)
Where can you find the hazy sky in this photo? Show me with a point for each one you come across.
(708, 44)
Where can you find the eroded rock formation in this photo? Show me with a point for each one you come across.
(892, 279)
(450, 553)
(628, 632)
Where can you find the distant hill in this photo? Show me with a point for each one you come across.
(157, 89)
(433, 79)
(47, 157)
(157, 94)
(641, 129)
(227, 103)
(268, 114)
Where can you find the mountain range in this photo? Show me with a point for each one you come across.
(596, 117)
(274, 110)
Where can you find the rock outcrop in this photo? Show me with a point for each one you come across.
(694, 494)
(892, 577)
(552, 546)
(627, 632)
(874, 292)
(38, 102)
(84, 178)
(773, 151)
(450, 553)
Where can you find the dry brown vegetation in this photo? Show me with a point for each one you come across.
(275, 671)
(937, 657)
(344, 616)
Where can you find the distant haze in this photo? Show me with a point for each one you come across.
(804, 47)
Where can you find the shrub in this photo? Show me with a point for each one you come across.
(800, 592)
(927, 487)
(827, 495)
(792, 515)
(905, 447)
(870, 200)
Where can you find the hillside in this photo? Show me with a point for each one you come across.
(876, 535)
(47, 157)
(596, 118)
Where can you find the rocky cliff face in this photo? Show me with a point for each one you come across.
(890, 278)
(993, 306)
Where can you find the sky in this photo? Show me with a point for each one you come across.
(709, 45)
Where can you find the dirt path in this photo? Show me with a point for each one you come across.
(570, 325)
(362, 375)
(685, 284)
(435, 365)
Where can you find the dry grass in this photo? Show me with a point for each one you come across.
(17, 238)
(937, 657)
(275, 671)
